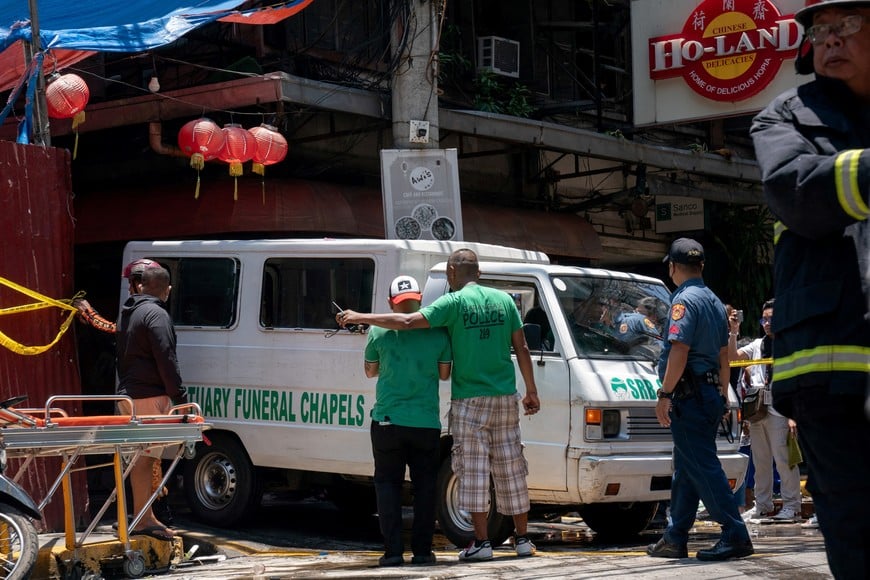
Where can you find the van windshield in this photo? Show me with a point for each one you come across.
(613, 317)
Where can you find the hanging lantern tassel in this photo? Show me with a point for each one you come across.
(197, 161)
(78, 119)
(260, 170)
(235, 172)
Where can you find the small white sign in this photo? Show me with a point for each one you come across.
(679, 214)
(421, 194)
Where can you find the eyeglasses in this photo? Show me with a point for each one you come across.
(847, 26)
(764, 321)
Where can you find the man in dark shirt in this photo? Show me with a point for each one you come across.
(147, 373)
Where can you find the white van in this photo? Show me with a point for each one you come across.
(260, 352)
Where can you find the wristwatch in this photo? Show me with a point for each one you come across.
(662, 394)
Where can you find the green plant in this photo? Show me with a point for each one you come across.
(744, 234)
(492, 96)
(487, 92)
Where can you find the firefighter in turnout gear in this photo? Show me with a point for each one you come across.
(812, 146)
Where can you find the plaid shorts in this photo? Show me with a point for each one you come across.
(487, 439)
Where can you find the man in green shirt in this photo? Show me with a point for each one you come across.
(406, 428)
(483, 324)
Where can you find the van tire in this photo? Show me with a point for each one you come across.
(455, 523)
(220, 482)
(618, 521)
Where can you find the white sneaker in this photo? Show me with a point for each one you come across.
(476, 553)
(811, 523)
(524, 546)
(786, 515)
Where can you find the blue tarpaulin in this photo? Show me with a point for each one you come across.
(108, 25)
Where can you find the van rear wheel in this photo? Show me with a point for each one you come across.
(220, 482)
(618, 520)
(456, 523)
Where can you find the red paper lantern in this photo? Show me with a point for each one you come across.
(271, 147)
(66, 96)
(202, 140)
(238, 148)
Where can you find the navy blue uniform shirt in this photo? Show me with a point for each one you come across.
(697, 318)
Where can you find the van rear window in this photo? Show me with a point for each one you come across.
(299, 292)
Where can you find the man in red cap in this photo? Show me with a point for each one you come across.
(812, 146)
(406, 426)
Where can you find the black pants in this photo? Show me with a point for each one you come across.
(834, 435)
(394, 447)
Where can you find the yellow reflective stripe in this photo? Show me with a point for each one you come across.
(778, 229)
(827, 358)
(846, 175)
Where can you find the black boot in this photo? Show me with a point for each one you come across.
(665, 549)
(724, 550)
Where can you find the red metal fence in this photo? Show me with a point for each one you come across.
(36, 252)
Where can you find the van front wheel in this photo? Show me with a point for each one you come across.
(220, 482)
(456, 523)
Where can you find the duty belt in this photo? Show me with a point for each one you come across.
(709, 378)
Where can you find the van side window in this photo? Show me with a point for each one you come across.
(299, 292)
(527, 297)
(204, 291)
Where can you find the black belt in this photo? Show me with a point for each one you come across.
(709, 378)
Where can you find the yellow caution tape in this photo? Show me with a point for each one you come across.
(750, 363)
(43, 302)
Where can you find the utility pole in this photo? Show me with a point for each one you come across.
(41, 132)
(415, 82)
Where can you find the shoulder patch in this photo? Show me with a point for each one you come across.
(678, 311)
(623, 328)
(649, 323)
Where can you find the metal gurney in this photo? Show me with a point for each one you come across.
(50, 432)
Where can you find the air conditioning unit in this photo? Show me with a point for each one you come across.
(499, 55)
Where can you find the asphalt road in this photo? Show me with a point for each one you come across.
(309, 538)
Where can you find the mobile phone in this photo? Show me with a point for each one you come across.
(739, 314)
(349, 327)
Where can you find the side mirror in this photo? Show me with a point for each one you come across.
(533, 335)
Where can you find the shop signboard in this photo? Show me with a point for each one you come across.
(701, 59)
(421, 194)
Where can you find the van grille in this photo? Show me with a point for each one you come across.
(643, 425)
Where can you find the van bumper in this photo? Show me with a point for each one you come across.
(622, 478)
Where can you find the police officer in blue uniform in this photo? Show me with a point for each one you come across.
(694, 372)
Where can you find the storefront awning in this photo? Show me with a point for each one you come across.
(299, 208)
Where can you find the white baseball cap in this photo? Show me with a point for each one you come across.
(404, 288)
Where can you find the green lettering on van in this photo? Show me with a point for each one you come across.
(635, 387)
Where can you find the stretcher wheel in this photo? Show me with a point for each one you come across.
(134, 565)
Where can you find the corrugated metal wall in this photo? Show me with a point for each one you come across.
(36, 251)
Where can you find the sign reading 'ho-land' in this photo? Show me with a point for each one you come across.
(728, 50)
(704, 59)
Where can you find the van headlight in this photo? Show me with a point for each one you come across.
(602, 423)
